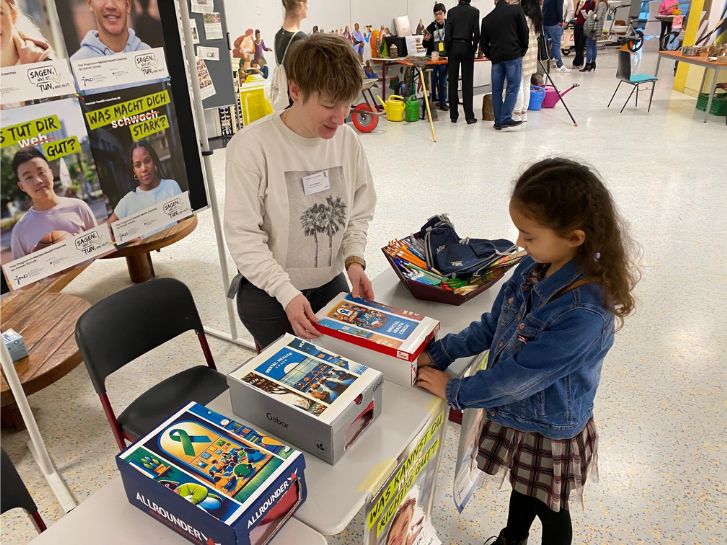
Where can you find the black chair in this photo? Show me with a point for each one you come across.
(13, 493)
(623, 73)
(130, 323)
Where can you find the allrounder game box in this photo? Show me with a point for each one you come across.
(214, 480)
(386, 338)
(312, 397)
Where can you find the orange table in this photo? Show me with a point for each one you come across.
(702, 61)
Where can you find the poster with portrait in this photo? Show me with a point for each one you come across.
(54, 212)
(134, 139)
(113, 43)
(33, 63)
(399, 512)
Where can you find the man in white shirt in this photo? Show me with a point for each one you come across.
(300, 197)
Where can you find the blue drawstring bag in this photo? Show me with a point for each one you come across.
(456, 257)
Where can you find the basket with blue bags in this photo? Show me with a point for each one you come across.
(436, 264)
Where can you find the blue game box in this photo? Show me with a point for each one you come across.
(213, 480)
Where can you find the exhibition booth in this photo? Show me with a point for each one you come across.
(107, 155)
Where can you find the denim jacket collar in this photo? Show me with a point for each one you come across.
(550, 286)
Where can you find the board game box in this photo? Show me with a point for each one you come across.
(314, 398)
(386, 338)
(212, 479)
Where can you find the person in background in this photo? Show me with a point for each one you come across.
(315, 29)
(461, 35)
(20, 40)
(112, 34)
(358, 40)
(579, 38)
(51, 218)
(598, 12)
(534, 20)
(666, 12)
(300, 197)
(504, 40)
(295, 12)
(434, 39)
(260, 49)
(553, 28)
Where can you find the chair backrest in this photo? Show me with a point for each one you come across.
(14, 493)
(127, 324)
(623, 72)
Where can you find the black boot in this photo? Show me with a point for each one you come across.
(502, 540)
(587, 68)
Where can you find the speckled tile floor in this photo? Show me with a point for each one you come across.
(662, 401)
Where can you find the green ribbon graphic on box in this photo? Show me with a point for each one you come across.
(181, 436)
(106, 116)
(150, 126)
(21, 133)
(60, 148)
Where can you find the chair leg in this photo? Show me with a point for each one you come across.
(206, 349)
(637, 94)
(38, 522)
(651, 96)
(614, 94)
(111, 417)
(627, 100)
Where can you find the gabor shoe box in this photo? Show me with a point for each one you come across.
(311, 397)
(386, 338)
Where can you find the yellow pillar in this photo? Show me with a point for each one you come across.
(690, 36)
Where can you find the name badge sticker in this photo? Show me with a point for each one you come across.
(315, 183)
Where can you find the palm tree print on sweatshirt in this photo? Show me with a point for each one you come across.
(312, 223)
(324, 219)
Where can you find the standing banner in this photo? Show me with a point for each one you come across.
(126, 166)
(133, 134)
(56, 208)
(400, 510)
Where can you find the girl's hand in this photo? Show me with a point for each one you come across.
(424, 360)
(433, 381)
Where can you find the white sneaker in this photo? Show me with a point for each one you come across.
(524, 117)
(516, 117)
(562, 69)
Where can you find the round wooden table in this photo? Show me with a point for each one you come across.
(137, 254)
(47, 322)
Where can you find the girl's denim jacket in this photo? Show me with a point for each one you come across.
(547, 347)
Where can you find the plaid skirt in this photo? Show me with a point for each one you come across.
(546, 469)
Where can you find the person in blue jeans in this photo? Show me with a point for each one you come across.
(504, 40)
(434, 41)
(548, 333)
(553, 30)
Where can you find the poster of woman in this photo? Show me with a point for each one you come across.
(132, 134)
(32, 66)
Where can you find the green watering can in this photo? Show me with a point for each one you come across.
(411, 109)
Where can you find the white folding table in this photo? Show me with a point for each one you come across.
(108, 518)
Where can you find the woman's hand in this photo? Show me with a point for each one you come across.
(301, 317)
(27, 50)
(433, 381)
(361, 286)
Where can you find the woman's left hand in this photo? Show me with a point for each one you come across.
(361, 286)
(433, 381)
